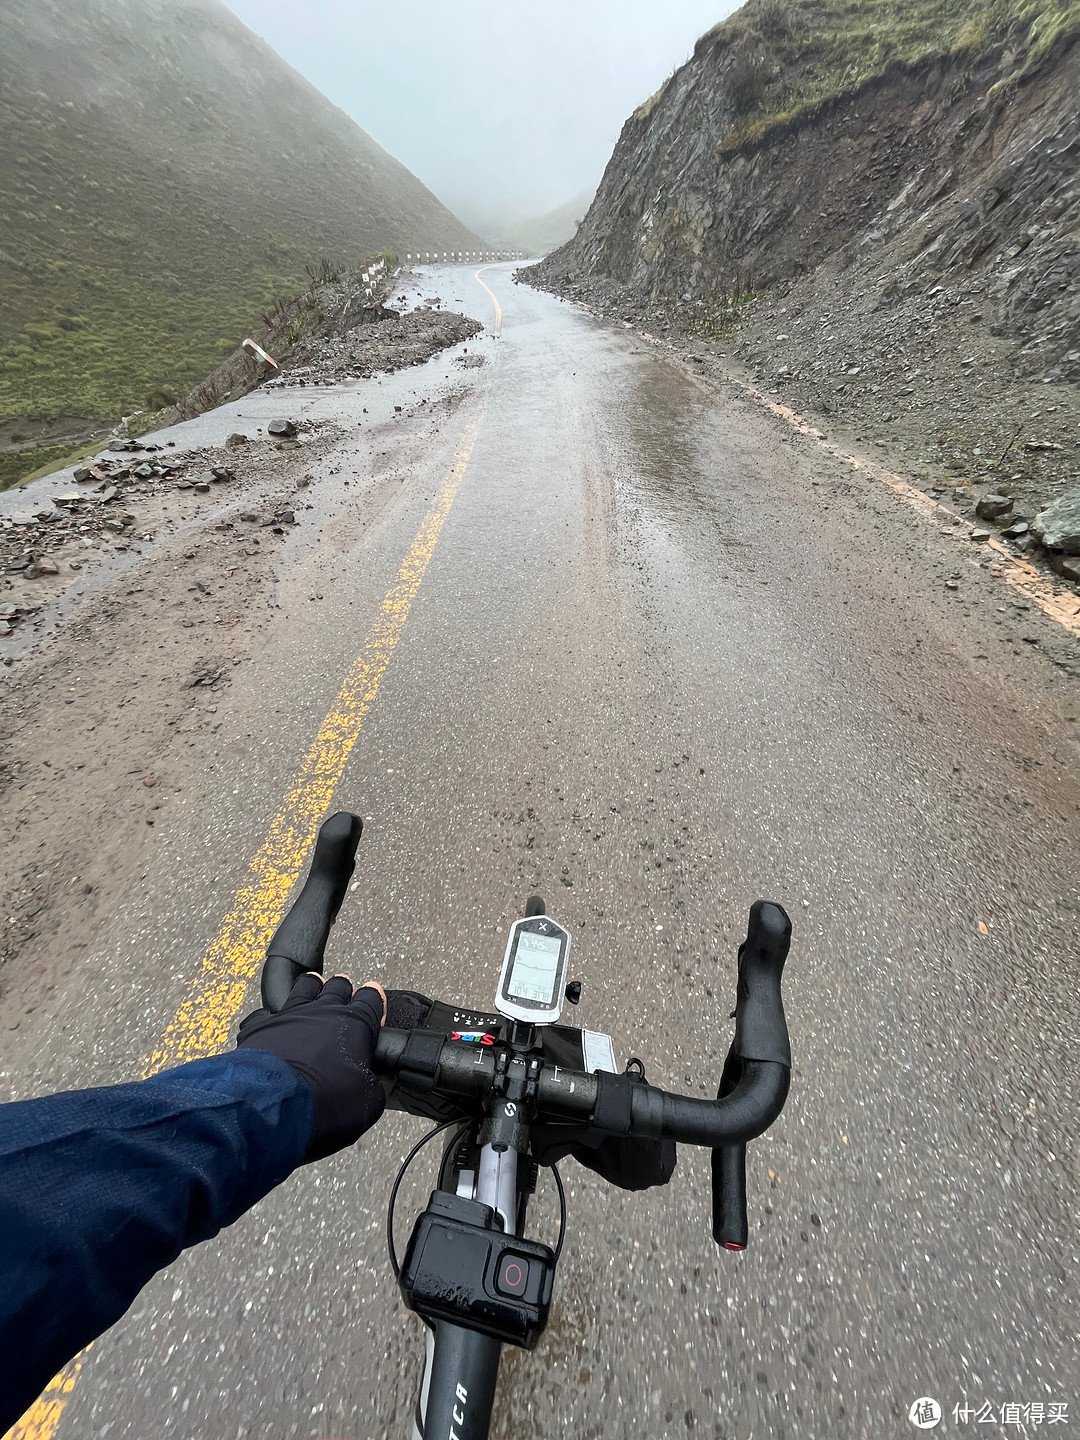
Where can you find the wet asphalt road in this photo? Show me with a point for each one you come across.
(667, 658)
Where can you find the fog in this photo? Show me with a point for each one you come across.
(505, 110)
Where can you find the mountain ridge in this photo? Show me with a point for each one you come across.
(166, 177)
(540, 234)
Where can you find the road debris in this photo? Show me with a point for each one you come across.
(1058, 526)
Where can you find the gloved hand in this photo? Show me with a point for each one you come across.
(327, 1034)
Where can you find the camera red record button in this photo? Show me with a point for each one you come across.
(513, 1275)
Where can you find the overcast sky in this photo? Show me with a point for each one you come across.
(505, 108)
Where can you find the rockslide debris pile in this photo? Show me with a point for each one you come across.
(381, 340)
(99, 513)
(333, 332)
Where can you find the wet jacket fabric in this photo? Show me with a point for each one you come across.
(100, 1189)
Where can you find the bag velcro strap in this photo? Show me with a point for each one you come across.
(613, 1100)
(420, 1061)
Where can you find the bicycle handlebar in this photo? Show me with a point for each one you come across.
(753, 1085)
(616, 1104)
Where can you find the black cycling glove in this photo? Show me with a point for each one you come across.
(328, 1035)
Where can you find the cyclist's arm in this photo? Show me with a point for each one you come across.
(99, 1189)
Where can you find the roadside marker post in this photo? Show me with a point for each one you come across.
(260, 352)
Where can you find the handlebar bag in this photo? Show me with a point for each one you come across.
(622, 1160)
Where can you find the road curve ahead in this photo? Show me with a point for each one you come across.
(590, 622)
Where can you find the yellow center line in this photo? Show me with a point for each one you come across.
(201, 1025)
(494, 299)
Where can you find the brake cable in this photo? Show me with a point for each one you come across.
(394, 1265)
(464, 1129)
(562, 1209)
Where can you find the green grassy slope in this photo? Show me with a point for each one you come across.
(163, 176)
(790, 55)
(542, 233)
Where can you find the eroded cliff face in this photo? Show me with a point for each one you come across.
(900, 263)
(921, 175)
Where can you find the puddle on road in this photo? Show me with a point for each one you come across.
(673, 489)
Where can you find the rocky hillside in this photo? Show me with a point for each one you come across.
(876, 206)
(164, 176)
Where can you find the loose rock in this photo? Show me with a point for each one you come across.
(1058, 526)
(994, 507)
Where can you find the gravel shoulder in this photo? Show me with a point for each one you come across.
(914, 381)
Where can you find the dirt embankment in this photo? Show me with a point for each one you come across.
(901, 264)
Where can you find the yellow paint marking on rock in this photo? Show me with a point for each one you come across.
(201, 1025)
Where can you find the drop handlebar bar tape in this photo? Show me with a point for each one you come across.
(760, 1034)
(300, 939)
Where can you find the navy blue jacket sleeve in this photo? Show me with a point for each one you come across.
(99, 1189)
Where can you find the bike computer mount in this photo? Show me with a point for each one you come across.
(534, 971)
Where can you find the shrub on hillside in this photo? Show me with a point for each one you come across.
(749, 78)
(775, 18)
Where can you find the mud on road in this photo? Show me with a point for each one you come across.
(115, 665)
(134, 651)
(131, 589)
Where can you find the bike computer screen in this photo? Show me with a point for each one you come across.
(534, 971)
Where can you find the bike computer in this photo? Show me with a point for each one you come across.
(534, 971)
